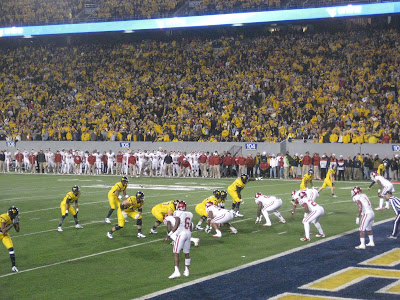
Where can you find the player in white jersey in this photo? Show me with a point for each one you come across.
(98, 156)
(85, 161)
(181, 234)
(125, 162)
(7, 160)
(175, 165)
(69, 162)
(367, 217)
(141, 161)
(170, 222)
(154, 163)
(27, 165)
(110, 162)
(385, 186)
(312, 212)
(268, 204)
(218, 216)
(50, 161)
(162, 154)
(63, 160)
(195, 164)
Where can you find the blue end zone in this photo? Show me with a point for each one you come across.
(287, 273)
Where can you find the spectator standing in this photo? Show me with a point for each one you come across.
(273, 165)
(250, 163)
(257, 159)
(341, 168)
(228, 162)
(348, 168)
(323, 164)
(295, 163)
(356, 168)
(315, 161)
(368, 166)
(41, 159)
(307, 163)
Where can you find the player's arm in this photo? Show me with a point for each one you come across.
(359, 211)
(125, 204)
(5, 228)
(67, 205)
(76, 206)
(332, 179)
(238, 191)
(305, 208)
(260, 206)
(178, 221)
(294, 209)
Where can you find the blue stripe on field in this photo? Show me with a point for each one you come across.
(287, 273)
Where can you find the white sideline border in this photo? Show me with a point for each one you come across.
(179, 286)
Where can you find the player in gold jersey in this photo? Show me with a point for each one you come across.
(307, 179)
(115, 197)
(8, 221)
(201, 207)
(235, 190)
(66, 206)
(330, 181)
(160, 210)
(131, 207)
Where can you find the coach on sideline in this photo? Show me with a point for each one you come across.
(395, 202)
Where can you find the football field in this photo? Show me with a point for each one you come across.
(84, 263)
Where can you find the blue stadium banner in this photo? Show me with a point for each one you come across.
(124, 144)
(251, 146)
(11, 144)
(209, 20)
(396, 148)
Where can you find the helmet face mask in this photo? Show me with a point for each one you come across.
(76, 190)
(244, 178)
(124, 180)
(373, 175)
(217, 194)
(223, 195)
(139, 196)
(356, 191)
(311, 171)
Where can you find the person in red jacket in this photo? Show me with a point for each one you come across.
(132, 164)
(242, 164)
(57, 162)
(228, 163)
(32, 161)
(19, 158)
(250, 163)
(307, 163)
(211, 166)
(118, 166)
(203, 159)
(104, 160)
(264, 168)
(92, 161)
(217, 164)
(77, 163)
(315, 161)
(185, 168)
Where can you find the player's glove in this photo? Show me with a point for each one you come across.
(259, 219)
(241, 201)
(126, 196)
(208, 229)
(66, 213)
(120, 197)
(16, 220)
(357, 220)
(124, 214)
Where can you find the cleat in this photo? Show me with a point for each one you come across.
(282, 221)
(391, 237)
(198, 227)
(59, 229)
(378, 208)
(141, 235)
(386, 207)
(234, 230)
(196, 242)
(109, 235)
(186, 273)
(217, 235)
(238, 214)
(360, 247)
(370, 244)
(304, 239)
(175, 275)
(107, 220)
(152, 231)
(267, 224)
(126, 221)
(78, 226)
(14, 269)
(320, 235)
(334, 196)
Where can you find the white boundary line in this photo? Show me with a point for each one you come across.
(179, 286)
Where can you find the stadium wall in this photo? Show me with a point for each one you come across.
(247, 148)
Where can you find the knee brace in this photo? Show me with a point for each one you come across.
(117, 227)
(158, 222)
(139, 222)
(11, 252)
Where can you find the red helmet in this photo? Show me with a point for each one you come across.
(373, 175)
(181, 205)
(355, 191)
(302, 195)
(209, 203)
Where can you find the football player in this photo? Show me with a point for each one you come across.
(115, 197)
(66, 206)
(330, 181)
(131, 207)
(160, 210)
(307, 179)
(221, 202)
(367, 217)
(181, 233)
(8, 221)
(201, 207)
(268, 204)
(170, 222)
(312, 211)
(385, 186)
(218, 216)
(235, 190)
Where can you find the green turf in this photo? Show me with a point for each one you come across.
(78, 264)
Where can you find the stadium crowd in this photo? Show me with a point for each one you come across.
(320, 87)
(163, 163)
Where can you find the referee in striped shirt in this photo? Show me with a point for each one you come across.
(395, 202)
